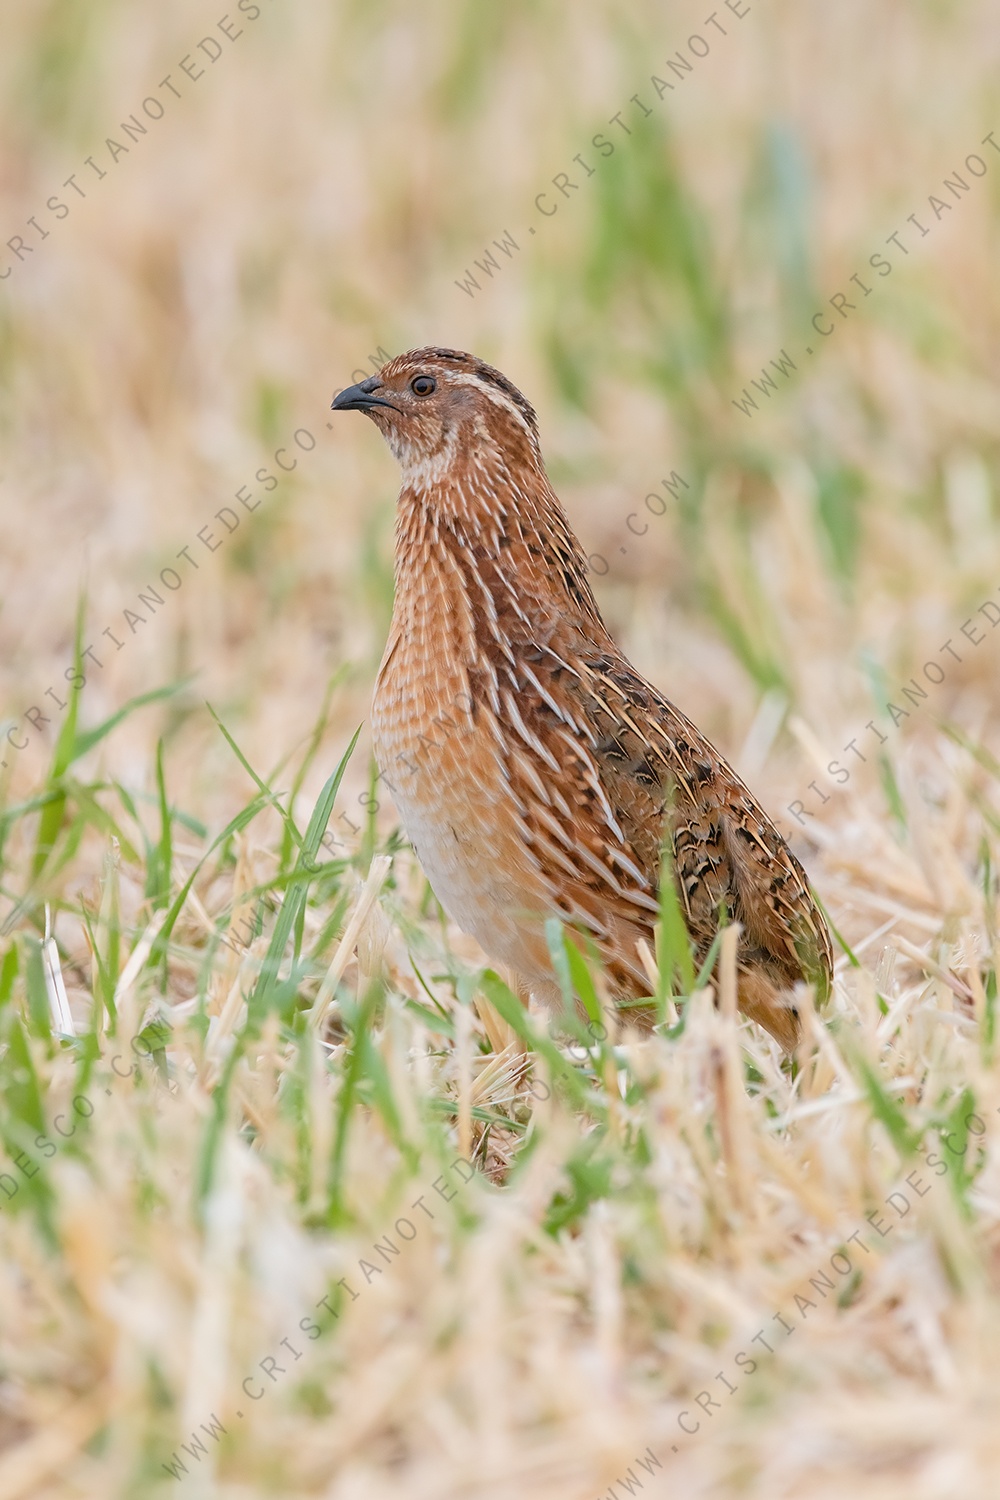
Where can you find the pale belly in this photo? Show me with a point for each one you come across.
(459, 812)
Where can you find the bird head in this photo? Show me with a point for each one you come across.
(434, 406)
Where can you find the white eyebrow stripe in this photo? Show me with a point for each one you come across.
(495, 395)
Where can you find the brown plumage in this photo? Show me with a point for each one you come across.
(535, 771)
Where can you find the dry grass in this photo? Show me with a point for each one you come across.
(255, 1117)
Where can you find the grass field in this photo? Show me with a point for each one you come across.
(295, 1200)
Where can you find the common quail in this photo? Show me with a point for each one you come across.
(535, 772)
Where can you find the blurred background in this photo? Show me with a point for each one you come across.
(720, 254)
(323, 190)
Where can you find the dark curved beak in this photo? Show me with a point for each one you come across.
(361, 397)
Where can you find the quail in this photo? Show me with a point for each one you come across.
(535, 771)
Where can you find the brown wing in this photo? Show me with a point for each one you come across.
(728, 854)
(631, 766)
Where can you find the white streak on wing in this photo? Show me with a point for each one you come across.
(529, 739)
(558, 830)
(606, 683)
(561, 662)
(546, 697)
(524, 766)
(515, 601)
(600, 867)
(619, 857)
(492, 618)
(592, 777)
(560, 803)
(646, 902)
(672, 758)
(554, 854)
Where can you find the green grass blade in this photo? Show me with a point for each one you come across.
(91, 737)
(264, 995)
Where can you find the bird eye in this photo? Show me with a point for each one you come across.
(422, 385)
